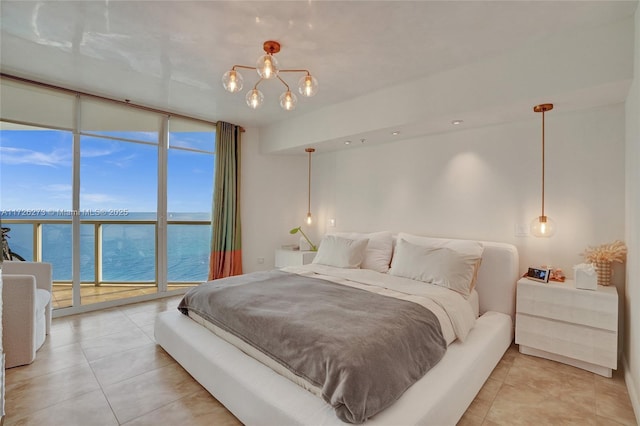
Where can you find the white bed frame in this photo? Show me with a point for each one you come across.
(257, 395)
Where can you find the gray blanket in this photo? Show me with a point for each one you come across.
(362, 349)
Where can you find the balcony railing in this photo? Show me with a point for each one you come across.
(115, 252)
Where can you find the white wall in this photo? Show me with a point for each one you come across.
(274, 200)
(481, 182)
(632, 334)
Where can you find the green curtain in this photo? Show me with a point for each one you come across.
(226, 238)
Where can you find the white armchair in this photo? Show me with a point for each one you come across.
(26, 314)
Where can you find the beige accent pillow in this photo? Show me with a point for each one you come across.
(341, 252)
(442, 266)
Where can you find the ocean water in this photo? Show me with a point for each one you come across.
(127, 250)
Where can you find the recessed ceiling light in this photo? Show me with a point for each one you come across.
(347, 142)
(456, 122)
(395, 133)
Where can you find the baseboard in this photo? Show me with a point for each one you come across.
(598, 369)
(631, 388)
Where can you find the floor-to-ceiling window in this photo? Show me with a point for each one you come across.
(118, 202)
(117, 198)
(189, 170)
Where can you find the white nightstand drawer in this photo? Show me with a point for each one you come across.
(563, 302)
(592, 345)
(293, 257)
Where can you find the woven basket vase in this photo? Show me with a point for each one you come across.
(603, 268)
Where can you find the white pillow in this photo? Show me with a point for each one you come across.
(377, 256)
(341, 252)
(442, 266)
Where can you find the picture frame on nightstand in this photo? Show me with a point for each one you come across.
(539, 274)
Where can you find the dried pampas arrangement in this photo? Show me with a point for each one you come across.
(614, 252)
(603, 256)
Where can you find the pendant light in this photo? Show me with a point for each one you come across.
(309, 220)
(542, 226)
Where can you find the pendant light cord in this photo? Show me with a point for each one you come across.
(309, 189)
(542, 163)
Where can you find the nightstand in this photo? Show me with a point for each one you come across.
(293, 257)
(573, 326)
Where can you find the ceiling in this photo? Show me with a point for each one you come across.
(171, 55)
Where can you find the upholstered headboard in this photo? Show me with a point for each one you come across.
(497, 277)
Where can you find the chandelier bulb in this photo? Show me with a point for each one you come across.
(267, 66)
(254, 98)
(288, 100)
(232, 81)
(308, 86)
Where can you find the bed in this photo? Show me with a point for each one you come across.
(257, 395)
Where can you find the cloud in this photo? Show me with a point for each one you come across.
(122, 162)
(91, 153)
(17, 156)
(58, 187)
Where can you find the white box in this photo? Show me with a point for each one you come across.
(586, 277)
(304, 244)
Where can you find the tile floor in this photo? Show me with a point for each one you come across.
(103, 368)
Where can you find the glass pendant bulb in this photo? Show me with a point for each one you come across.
(288, 100)
(543, 226)
(232, 81)
(308, 86)
(254, 98)
(309, 218)
(267, 67)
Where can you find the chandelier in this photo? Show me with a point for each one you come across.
(267, 68)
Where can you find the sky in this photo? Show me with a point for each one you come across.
(36, 171)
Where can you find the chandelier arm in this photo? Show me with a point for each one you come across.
(283, 82)
(307, 71)
(243, 66)
(259, 81)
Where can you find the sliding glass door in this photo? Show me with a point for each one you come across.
(125, 194)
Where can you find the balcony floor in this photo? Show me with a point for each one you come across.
(62, 296)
